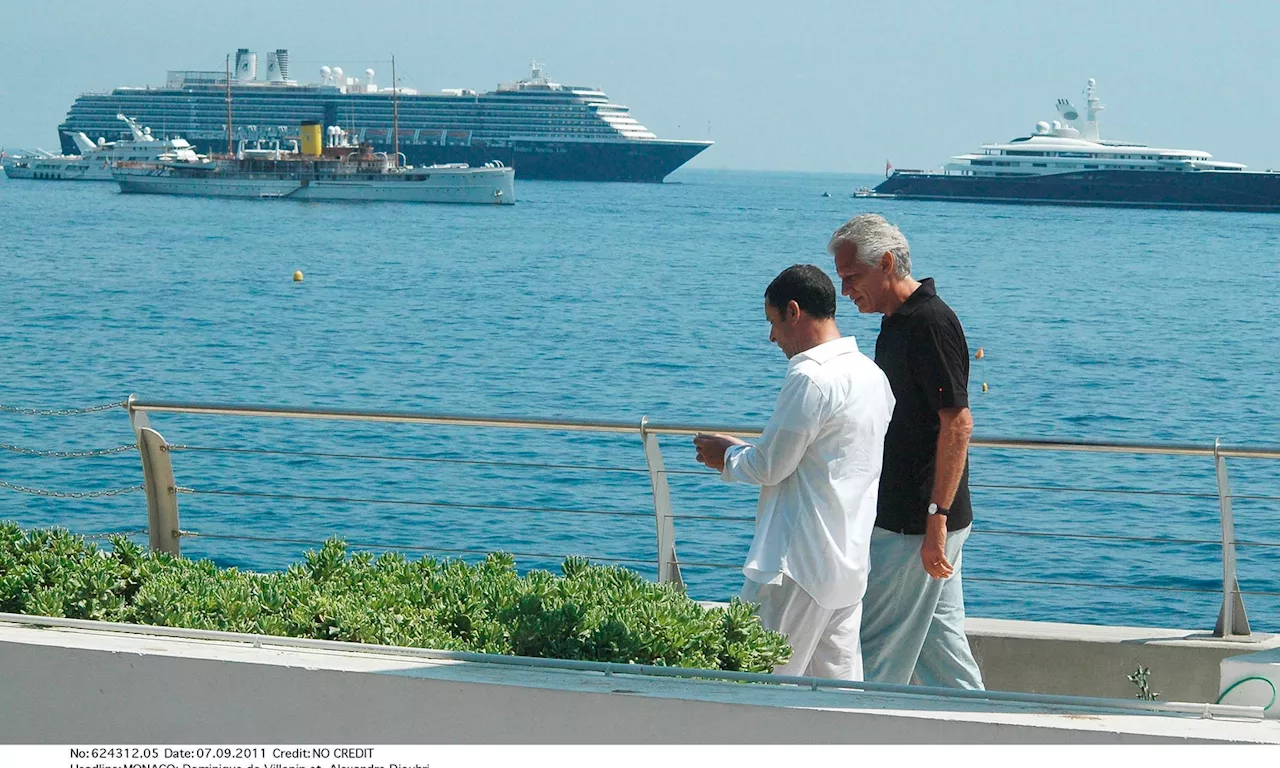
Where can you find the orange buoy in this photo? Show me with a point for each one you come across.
(979, 354)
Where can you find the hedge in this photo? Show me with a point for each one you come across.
(591, 612)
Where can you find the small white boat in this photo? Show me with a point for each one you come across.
(95, 161)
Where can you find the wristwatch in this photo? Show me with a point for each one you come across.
(934, 509)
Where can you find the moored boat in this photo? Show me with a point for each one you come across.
(1067, 162)
(337, 171)
(95, 160)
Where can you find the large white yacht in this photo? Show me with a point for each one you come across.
(95, 161)
(1070, 145)
(1066, 161)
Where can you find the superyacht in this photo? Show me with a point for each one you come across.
(94, 161)
(1066, 161)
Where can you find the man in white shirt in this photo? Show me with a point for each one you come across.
(818, 465)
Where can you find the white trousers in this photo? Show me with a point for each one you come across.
(914, 623)
(824, 641)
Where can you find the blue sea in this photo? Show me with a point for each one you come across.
(617, 301)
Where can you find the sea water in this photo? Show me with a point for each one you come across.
(616, 301)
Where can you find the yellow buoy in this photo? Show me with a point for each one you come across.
(979, 354)
(297, 276)
(984, 386)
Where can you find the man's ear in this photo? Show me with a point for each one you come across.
(793, 310)
(887, 262)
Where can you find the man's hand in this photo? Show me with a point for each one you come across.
(933, 552)
(710, 449)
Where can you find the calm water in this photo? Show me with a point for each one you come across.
(599, 301)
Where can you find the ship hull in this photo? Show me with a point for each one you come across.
(1184, 190)
(629, 161)
(473, 186)
(52, 171)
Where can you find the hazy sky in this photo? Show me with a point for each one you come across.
(814, 86)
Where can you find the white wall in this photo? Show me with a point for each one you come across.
(83, 686)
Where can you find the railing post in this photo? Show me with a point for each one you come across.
(162, 491)
(1232, 620)
(668, 566)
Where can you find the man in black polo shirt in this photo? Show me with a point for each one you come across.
(913, 612)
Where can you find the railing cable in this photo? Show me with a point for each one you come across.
(1108, 537)
(1096, 537)
(62, 411)
(409, 502)
(1090, 585)
(67, 454)
(70, 494)
(425, 459)
(1134, 491)
(412, 548)
(141, 532)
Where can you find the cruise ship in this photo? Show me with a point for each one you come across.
(1067, 162)
(542, 129)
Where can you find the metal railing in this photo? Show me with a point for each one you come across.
(166, 534)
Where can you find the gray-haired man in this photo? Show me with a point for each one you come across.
(913, 611)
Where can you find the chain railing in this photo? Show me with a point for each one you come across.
(62, 411)
(162, 491)
(58, 454)
(70, 494)
(67, 454)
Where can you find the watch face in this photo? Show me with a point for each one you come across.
(933, 508)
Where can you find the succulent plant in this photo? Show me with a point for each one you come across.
(589, 612)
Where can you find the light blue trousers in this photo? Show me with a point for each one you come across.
(912, 623)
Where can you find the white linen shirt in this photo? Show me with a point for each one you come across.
(818, 463)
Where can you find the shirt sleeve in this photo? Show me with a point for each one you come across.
(940, 362)
(795, 423)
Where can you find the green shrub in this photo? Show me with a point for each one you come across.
(591, 612)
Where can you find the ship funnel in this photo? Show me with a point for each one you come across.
(277, 67)
(1068, 111)
(246, 65)
(312, 143)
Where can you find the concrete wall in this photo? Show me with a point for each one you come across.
(1086, 660)
(61, 685)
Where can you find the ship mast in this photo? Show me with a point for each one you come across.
(395, 114)
(230, 148)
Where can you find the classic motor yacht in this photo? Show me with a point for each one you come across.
(338, 170)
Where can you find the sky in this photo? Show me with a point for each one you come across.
(796, 86)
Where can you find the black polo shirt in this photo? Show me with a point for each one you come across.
(923, 353)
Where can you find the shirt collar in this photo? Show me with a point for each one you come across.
(922, 294)
(828, 350)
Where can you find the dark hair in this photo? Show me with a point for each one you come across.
(806, 285)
